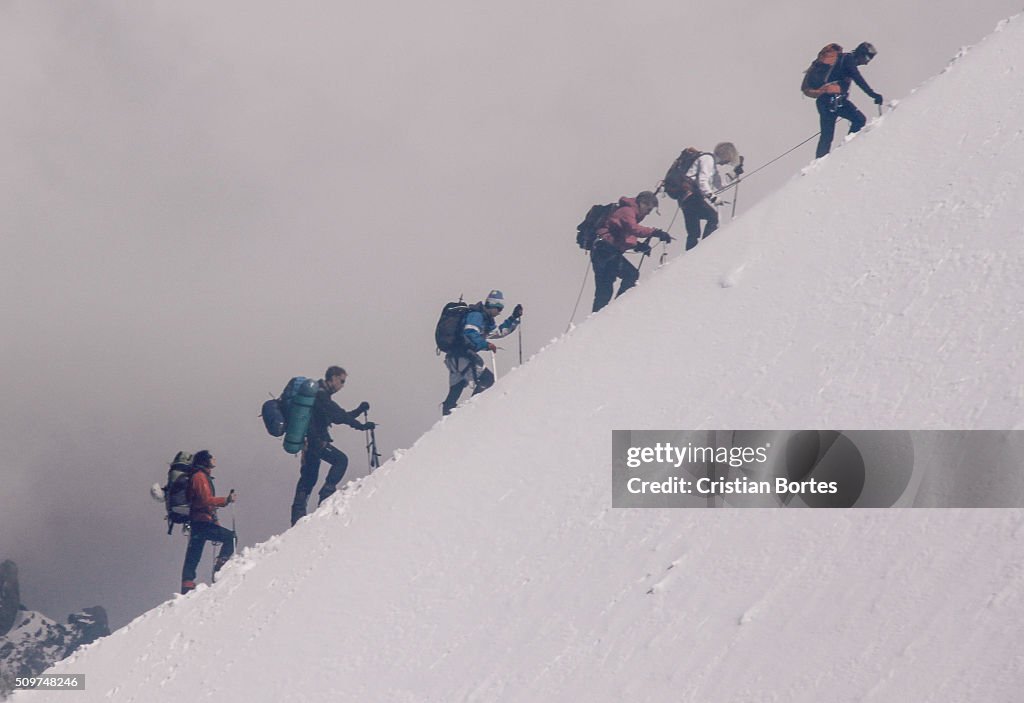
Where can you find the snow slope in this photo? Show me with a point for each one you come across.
(879, 289)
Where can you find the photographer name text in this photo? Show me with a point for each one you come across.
(733, 457)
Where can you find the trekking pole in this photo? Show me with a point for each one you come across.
(373, 457)
(644, 255)
(213, 567)
(376, 455)
(664, 245)
(520, 342)
(586, 273)
(735, 198)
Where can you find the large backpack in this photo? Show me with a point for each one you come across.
(448, 331)
(273, 417)
(820, 70)
(276, 410)
(677, 184)
(297, 401)
(586, 231)
(291, 390)
(176, 499)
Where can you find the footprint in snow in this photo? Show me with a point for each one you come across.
(666, 580)
(732, 278)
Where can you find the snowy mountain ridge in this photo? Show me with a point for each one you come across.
(879, 289)
(30, 642)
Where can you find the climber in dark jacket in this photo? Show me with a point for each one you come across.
(318, 441)
(833, 101)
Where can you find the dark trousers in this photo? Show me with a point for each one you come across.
(310, 472)
(608, 265)
(829, 110)
(697, 208)
(203, 532)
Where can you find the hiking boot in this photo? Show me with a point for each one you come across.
(187, 586)
(299, 506)
(326, 492)
(453, 398)
(219, 563)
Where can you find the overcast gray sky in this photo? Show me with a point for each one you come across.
(201, 200)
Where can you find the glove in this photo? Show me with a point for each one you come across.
(663, 235)
(712, 198)
(642, 248)
(517, 311)
(878, 99)
(361, 408)
(231, 498)
(491, 347)
(367, 426)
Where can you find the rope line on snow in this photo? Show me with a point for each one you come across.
(764, 166)
(586, 274)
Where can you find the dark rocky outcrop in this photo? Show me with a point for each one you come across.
(10, 599)
(30, 642)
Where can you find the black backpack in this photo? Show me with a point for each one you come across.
(448, 332)
(586, 231)
(677, 184)
(176, 499)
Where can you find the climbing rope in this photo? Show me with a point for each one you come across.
(586, 274)
(734, 184)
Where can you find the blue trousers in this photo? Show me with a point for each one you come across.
(203, 532)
